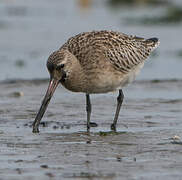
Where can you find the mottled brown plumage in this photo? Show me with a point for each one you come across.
(123, 51)
(96, 62)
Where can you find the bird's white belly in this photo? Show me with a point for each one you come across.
(130, 77)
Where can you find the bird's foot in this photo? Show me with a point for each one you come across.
(113, 127)
(93, 124)
(88, 127)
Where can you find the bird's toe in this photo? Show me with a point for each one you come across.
(93, 124)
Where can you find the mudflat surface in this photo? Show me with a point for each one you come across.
(147, 144)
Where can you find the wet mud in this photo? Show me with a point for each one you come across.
(147, 144)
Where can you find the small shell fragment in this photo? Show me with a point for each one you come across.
(175, 138)
(17, 94)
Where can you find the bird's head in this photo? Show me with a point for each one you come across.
(59, 65)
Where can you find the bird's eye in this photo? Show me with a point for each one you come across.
(60, 67)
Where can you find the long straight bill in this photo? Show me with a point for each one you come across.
(50, 91)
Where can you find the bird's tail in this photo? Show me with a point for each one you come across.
(152, 43)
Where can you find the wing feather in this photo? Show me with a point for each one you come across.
(124, 52)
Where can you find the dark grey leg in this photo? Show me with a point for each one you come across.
(88, 109)
(119, 103)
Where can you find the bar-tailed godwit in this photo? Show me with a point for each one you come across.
(96, 62)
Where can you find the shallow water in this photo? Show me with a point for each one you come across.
(31, 30)
(142, 148)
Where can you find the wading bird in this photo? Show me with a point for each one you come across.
(96, 62)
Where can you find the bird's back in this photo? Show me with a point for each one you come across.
(122, 51)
